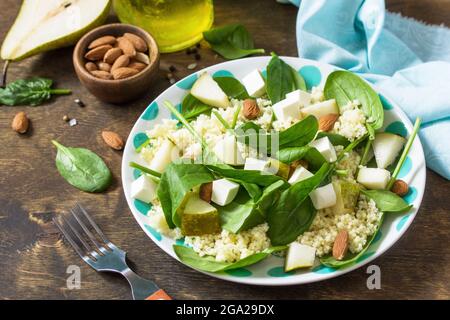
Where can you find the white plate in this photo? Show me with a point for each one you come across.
(270, 271)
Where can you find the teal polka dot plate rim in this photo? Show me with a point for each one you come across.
(270, 272)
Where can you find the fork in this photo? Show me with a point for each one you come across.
(102, 255)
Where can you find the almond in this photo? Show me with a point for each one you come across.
(340, 245)
(113, 140)
(102, 74)
(138, 43)
(90, 66)
(103, 66)
(127, 47)
(123, 73)
(139, 66)
(111, 55)
(102, 41)
(121, 62)
(20, 123)
(97, 53)
(326, 122)
(142, 57)
(400, 188)
(206, 192)
(296, 164)
(251, 110)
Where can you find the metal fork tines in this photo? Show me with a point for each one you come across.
(101, 254)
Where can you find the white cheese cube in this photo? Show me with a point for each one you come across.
(322, 108)
(374, 178)
(224, 191)
(144, 189)
(323, 197)
(299, 256)
(256, 164)
(324, 146)
(299, 174)
(287, 109)
(165, 154)
(303, 98)
(228, 151)
(254, 84)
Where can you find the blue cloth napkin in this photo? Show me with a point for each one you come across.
(407, 59)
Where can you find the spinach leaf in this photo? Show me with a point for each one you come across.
(345, 87)
(335, 139)
(314, 158)
(293, 213)
(232, 87)
(209, 264)
(331, 262)
(82, 168)
(387, 201)
(191, 107)
(282, 79)
(31, 92)
(248, 176)
(232, 41)
(176, 182)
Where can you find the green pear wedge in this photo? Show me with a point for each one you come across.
(51, 24)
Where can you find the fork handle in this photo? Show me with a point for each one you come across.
(144, 289)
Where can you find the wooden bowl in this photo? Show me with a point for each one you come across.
(116, 91)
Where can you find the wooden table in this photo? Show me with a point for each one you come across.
(33, 257)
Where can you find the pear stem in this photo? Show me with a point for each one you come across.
(3, 76)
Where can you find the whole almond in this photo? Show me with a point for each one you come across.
(327, 121)
(20, 123)
(340, 245)
(206, 192)
(138, 43)
(123, 73)
(111, 55)
(251, 110)
(400, 188)
(103, 66)
(113, 140)
(142, 57)
(121, 62)
(97, 53)
(127, 47)
(102, 74)
(102, 41)
(139, 66)
(90, 66)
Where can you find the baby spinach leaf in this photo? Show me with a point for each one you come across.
(191, 107)
(248, 176)
(314, 158)
(232, 41)
(209, 264)
(232, 87)
(335, 139)
(282, 79)
(345, 87)
(176, 182)
(82, 168)
(293, 213)
(31, 92)
(387, 201)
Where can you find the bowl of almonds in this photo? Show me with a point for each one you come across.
(116, 62)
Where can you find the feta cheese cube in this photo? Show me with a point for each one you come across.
(373, 178)
(165, 154)
(254, 84)
(144, 189)
(322, 108)
(299, 174)
(227, 150)
(287, 109)
(303, 98)
(256, 164)
(224, 191)
(323, 197)
(324, 146)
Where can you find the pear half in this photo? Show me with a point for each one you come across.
(50, 24)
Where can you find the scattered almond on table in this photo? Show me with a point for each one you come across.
(20, 123)
(116, 58)
(113, 140)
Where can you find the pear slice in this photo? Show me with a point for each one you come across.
(199, 217)
(386, 147)
(299, 256)
(347, 194)
(208, 91)
(47, 25)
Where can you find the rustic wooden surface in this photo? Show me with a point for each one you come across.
(33, 258)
